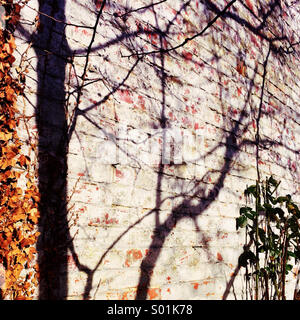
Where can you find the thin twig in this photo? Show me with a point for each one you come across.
(138, 9)
(188, 39)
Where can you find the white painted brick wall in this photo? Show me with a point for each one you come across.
(116, 203)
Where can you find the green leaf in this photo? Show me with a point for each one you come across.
(267, 206)
(251, 190)
(246, 257)
(279, 211)
(288, 268)
(272, 199)
(249, 216)
(274, 253)
(241, 222)
(291, 254)
(297, 253)
(281, 199)
(271, 212)
(262, 235)
(275, 236)
(248, 212)
(297, 213)
(294, 235)
(273, 182)
(245, 209)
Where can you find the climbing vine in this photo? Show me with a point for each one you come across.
(274, 231)
(19, 196)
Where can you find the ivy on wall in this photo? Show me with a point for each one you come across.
(19, 196)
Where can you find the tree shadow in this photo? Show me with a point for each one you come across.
(55, 133)
(52, 151)
(186, 209)
(53, 56)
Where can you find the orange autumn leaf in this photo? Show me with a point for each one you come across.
(18, 217)
(23, 160)
(10, 94)
(5, 136)
(4, 244)
(27, 242)
(10, 154)
(33, 215)
(22, 298)
(21, 259)
(30, 252)
(7, 48)
(17, 270)
(17, 205)
(8, 236)
(12, 44)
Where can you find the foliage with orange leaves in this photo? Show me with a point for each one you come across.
(18, 203)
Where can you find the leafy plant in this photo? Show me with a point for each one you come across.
(274, 230)
(18, 206)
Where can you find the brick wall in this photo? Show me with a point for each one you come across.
(137, 223)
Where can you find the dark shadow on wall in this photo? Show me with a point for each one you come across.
(52, 51)
(185, 210)
(53, 54)
(55, 241)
